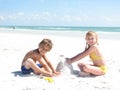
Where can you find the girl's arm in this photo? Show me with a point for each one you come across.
(81, 55)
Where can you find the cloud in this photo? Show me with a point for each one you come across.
(71, 18)
(55, 18)
(43, 18)
(20, 14)
(108, 19)
(2, 18)
(111, 19)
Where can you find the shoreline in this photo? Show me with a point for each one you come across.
(78, 34)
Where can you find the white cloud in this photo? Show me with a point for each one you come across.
(20, 13)
(47, 16)
(111, 19)
(2, 18)
(44, 16)
(54, 18)
(108, 19)
(11, 17)
(70, 18)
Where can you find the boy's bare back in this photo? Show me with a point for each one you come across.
(34, 54)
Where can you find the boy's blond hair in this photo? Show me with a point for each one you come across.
(46, 43)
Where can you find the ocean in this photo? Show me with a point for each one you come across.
(74, 31)
(65, 28)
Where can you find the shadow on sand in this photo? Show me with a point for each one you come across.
(19, 73)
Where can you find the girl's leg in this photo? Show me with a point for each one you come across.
(82, 72)
(80, 66)
(93, 70)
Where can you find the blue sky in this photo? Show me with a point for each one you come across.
(60, 12)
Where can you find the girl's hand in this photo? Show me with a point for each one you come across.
(68, 61)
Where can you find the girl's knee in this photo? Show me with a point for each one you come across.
(80, 64)
(86, 68)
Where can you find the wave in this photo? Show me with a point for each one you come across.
(65, 28)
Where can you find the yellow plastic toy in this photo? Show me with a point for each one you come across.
(49, 79)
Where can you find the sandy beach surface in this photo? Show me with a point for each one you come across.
(15, 44)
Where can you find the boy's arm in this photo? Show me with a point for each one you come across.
(49, 64)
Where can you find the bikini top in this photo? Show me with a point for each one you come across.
(93, 56)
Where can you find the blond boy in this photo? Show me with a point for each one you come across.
(37, 62)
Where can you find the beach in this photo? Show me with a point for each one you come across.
(15, 44)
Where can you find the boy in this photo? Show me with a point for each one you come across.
(39, 55)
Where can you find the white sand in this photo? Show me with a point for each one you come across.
(14, 45)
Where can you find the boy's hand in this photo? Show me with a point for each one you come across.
(57, 73)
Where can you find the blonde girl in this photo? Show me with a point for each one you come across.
(92, 49)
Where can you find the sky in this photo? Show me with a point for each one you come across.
(60, 12)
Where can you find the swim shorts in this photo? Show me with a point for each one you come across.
(28, 71)
(103, 69)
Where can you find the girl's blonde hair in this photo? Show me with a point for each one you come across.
(91, 33)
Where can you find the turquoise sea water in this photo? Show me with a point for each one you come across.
(72, 31)
(65, 28)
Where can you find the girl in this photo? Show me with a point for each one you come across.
(98, 67)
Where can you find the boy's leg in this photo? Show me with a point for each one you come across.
(37, 70)
(25, 70)
(31, 64)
